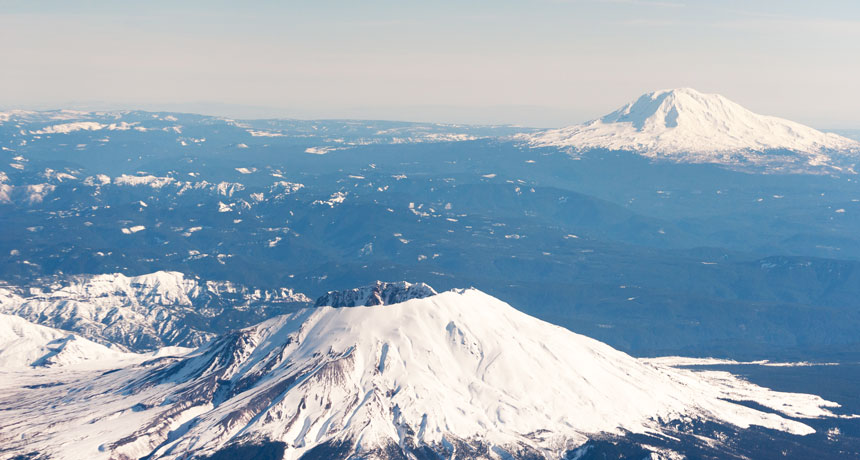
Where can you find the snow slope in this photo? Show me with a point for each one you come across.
(453, 371)
(24, 344)
(686, 125)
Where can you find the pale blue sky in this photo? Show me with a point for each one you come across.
(540, 63)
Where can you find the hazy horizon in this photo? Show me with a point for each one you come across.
(535, 117)
(543, 63)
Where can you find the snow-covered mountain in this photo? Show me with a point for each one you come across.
(454, 375)
(688, 126)
(143, 312)
(24, 344)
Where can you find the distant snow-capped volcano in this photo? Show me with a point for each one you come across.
(453, 375)
(688, 126)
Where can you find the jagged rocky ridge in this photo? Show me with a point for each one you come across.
(454, 375)
(379, 293)
(141, 313)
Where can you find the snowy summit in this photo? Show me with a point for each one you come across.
(688, 126)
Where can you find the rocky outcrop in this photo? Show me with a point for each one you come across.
(380, 293)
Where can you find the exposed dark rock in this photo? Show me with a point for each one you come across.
(332, 450)
(271, 450)
(381, 293)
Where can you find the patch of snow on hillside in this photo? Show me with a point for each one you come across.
(6, 192)
(36, 193)
(320, 150)
(147, 180)
(66, 128)
(260, 133)
(285, 187)
(133, 229)
(335, 199)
